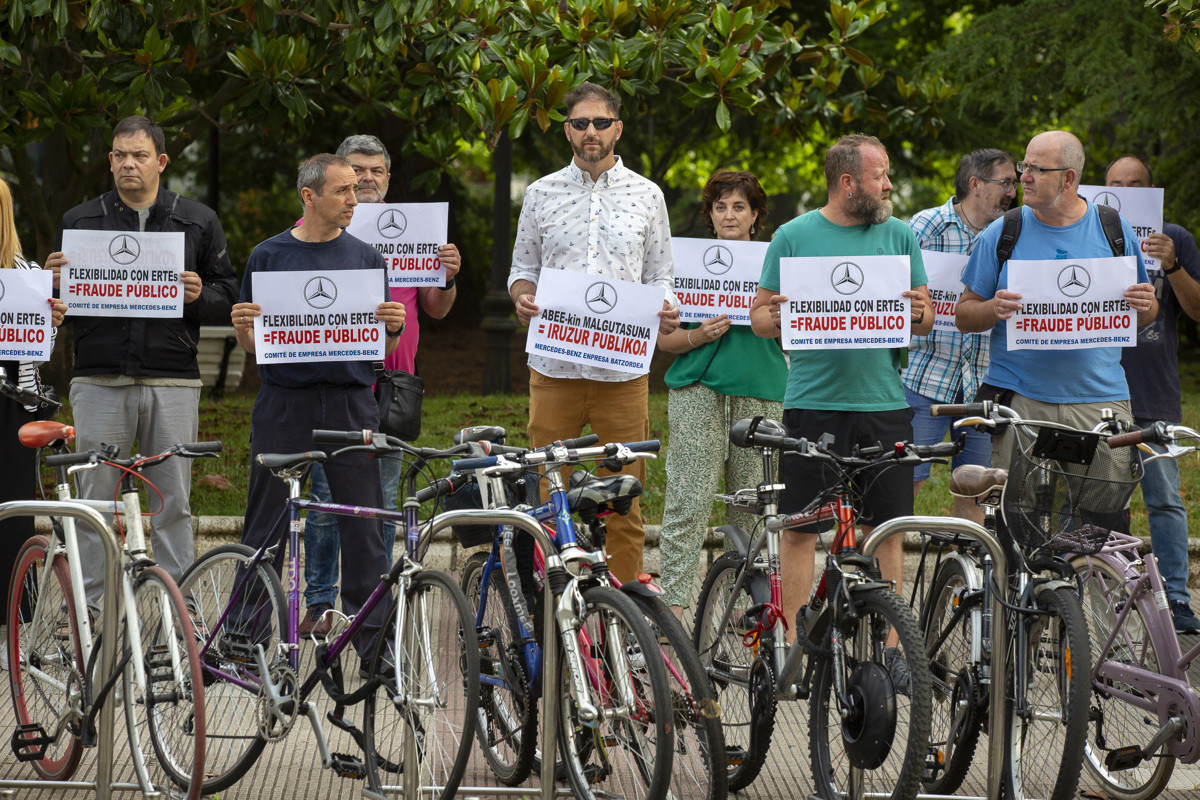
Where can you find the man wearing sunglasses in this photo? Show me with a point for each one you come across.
(947, 366)
(598, 217)
(1067, 386)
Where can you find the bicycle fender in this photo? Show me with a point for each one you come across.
(738, 537)
(1057, 583)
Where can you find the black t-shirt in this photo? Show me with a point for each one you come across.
(285, 253)
(1152, 368)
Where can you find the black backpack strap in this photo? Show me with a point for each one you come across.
(1110, 220)
(1009, 233)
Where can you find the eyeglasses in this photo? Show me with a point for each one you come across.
(1009, 185)
(601, 123)
(1035, 170)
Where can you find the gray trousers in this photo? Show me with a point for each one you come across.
(157, 417)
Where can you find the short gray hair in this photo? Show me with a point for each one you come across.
(364, 144)
(312, 172)
(845, 157)
(977, 164)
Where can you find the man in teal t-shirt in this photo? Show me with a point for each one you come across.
(856, 395)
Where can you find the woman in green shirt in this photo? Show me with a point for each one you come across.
(723, 373)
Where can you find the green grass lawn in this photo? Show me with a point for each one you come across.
(229, 421)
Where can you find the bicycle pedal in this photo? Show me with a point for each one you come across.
(935, 764)
(1123, 758)
(347, 766)
(735, 756)
(29, 742)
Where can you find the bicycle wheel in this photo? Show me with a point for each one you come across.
(437, 664)
(1045, 743)
(728, 661)
(44, 655)
(627, 751)
(507, 721)
(167, 711)
(1115, 723)
(699, 754)
(886, 733)
(958, 695)
(256, 616)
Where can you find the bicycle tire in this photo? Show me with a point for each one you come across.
(1058, 718)
(233, 743)
(507, 719)
(170, 712)
(699, 756)
(38, 646)
(628, 753)
(956, 692)
(438, 655)
(1117, 722)
(896, 763)
(728, 661)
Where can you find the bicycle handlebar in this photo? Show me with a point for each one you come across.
(552, 454)
(959, 410)
(24, 396)
(441, 487)
(189, 450)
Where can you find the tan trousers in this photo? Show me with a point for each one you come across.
(617, 412)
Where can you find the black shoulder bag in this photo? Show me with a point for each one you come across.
(399, 394)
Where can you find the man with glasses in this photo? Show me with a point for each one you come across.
(598, 217)
(947, 366)
(136, 378)
(1152, 369)
(1067, 386)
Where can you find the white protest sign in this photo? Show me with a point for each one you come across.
(601, 322)
(408, 236)
(123, 273)
(845, 303)
(944, 271)
(318, 316)
(1072, 305)
(715, 276)
(25, 315)
(1142, 208)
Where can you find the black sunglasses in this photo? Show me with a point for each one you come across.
(601, 123)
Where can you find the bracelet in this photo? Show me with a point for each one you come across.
(449, 285)
(1174, 268)
(395, 335)
(689, 338)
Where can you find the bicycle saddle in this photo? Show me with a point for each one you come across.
(590, 495)
(44, 433)
(972, 480)
(276, 461)
(481, 433)
(742, 432)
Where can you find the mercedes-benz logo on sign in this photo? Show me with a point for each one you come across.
(600, 297)
(847, 278)
(1074, 281)
(391, 224)
(320, 292)
(124, 249)
(718, 260)
(1107, 199)
(1, 290)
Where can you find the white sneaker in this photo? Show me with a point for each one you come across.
(3, 647)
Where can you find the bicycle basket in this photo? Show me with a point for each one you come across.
(1066, 489)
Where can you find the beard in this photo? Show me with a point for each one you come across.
(592, 157)
(869, 210)
(370, 193)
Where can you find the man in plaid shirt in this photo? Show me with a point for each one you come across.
(947, 366)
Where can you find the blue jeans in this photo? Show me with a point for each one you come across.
(321, 541)
(1168, 522)
(929, 430)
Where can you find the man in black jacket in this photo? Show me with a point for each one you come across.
(136, 378)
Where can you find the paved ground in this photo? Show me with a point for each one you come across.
(290, 769)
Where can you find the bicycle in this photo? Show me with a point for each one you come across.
(421, 688)
(863, 731)
(1060, 496)
(615, 741)
(1145, 712)
(56, 689)
(698, 737)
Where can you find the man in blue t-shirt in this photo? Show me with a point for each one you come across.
(1067, 386)
(1152, 369)
(335, 395)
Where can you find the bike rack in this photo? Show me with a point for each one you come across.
(999, 661)
(111, 615)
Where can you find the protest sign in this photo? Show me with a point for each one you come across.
(1142, 208)
(844, 303)
(25, 315)
(408, 236)
(716, 276)
(123, 273)
(601, 322)
(318, 316)
(1072, 305)
(944, 274)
